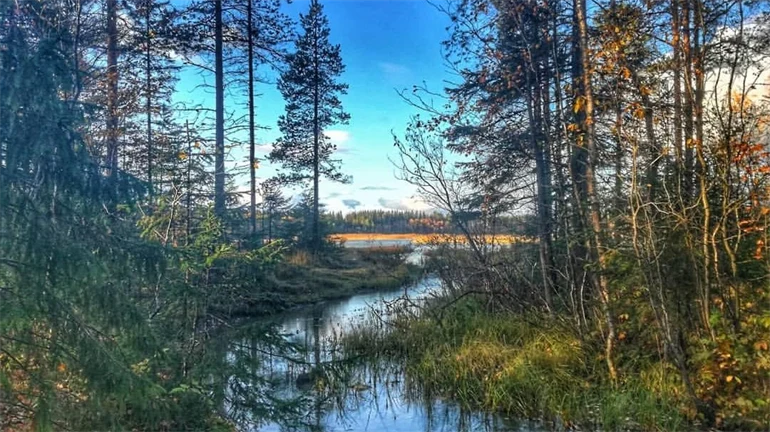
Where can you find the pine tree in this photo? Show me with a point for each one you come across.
(150, 68)
(311, 90)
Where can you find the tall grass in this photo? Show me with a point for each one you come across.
(526, 368)
(299, 258)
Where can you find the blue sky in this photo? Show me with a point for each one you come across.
(386, 45)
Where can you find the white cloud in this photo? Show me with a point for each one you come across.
(394, 69)
(377, 188)
(338, 137)
(263, 148)
(403, 204)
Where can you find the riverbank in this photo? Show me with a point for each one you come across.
(302, 278)
(522, 367)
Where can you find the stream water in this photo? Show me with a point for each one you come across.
(373, 396)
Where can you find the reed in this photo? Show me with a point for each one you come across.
(525, 368)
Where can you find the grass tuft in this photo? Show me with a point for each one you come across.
(530, 369)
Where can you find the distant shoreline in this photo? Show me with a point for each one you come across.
(418, 238)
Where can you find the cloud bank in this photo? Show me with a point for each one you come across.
(377, 188)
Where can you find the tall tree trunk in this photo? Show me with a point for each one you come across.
(573, 271)
(536, 135)
(188, 224)
(688, 100)
(701, 168)
(547, 157)
(252, 125)
(651, 176)
(618, 198)
(112, 88)
(148, 84)
(316, 148)
(578, 161)
(677, 85)
(219, 150)
(594, 218)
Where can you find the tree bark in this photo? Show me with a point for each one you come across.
(112, 88)
(219, 150)
(594, 218)
(148, 85)
(316, 145)
(543, 190)
(252, 125)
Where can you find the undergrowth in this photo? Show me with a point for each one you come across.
(526, 368)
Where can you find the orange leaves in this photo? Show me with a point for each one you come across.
(626, 73)
(580, 103)
(759, 250)
(740, 103)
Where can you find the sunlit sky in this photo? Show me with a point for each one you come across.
(387, 45)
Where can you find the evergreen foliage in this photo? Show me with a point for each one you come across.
(312, 95)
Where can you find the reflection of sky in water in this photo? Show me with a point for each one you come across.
(376, 243)
(381, 402)
(414, 258)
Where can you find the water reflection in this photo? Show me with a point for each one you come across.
(329, 393)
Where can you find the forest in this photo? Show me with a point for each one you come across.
(627, 138)
(410, 221)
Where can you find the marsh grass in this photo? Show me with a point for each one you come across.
(523, 368)
(304, 278)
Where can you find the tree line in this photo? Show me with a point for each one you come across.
(124, 243)
(410, 221)
(126, 57)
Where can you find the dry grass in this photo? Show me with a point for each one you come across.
(299, 258)
(429, 238)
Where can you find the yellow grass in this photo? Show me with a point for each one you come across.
(428, 238)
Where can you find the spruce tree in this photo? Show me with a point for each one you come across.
(312, 92)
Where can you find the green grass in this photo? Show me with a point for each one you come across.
(530, 369)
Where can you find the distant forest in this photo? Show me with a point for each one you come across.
(400, 222)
